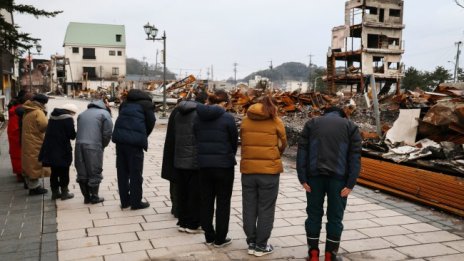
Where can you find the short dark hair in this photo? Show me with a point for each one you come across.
(335, 109)
(201, 97)
(218, 97)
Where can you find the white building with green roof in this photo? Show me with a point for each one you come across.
(96, 53)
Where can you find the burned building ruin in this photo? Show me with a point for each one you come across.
(370, 43)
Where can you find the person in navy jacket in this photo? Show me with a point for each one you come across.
(217, 140)
(134, 124)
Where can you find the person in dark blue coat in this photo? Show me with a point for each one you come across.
(56, 151)
(135, 123)
(217, 140)
(328, 163)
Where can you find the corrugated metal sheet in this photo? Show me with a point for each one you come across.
(435, 189)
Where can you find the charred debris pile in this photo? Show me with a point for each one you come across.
(418, 128)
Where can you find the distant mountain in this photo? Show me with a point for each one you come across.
(137, 67)
(291, 71)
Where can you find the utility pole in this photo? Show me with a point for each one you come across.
(207, 74)
(309, 69)
(235, 72)
(212, 73)
(456, 66)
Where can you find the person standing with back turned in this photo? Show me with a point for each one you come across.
(94, 129)
(263, 142)
(135, 123)
(328, 163)
(217, 140)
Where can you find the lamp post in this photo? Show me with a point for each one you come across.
(152, 32)
(455, 71)
(38, 47)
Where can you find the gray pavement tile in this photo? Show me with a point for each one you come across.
(49, 256)
(49, 247)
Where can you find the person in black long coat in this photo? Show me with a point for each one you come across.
(56, 151)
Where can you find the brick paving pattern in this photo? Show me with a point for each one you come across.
(377, 226)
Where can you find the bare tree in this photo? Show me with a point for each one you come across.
(460, 3)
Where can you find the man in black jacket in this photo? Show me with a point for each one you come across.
(328, 163)
(135, 123)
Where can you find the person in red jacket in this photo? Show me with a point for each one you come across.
(14, 134)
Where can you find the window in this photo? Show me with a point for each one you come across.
(119, 53)
(395, 13)
(378, 64)
(371, 10)
(75, 49)
(90, 73)
(118, 38)
(88, 53)
(394, 41)
(112, 53)
(115, 71)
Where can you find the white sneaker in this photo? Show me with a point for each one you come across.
(181, 229)
(194, 231)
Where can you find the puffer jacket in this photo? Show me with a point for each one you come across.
(56, 149)
(185, 152)
(263, 142)
(217, 137)
(14, 138)
(33, 132)
(331, 146)
(94, 125)
(136, 120)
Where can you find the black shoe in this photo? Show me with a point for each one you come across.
(226, 242)
(261, 251)
(123, 206)
(141, 205)
(65, 194)
(85, 191)
(25, 184)
(94, 198)
(56, 193)
(37, 191)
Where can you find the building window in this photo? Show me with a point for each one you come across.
(115, 71)
(112, 53)
(90, 73)
(75, 49)
(118, 38)
(89, 53)
(119, 53)
(395, 13)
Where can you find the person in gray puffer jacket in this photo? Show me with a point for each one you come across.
(94, 129)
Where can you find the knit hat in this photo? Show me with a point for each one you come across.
(42, 98)
(69, 107)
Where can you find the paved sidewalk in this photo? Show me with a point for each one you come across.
(27, 224)
(377, 226)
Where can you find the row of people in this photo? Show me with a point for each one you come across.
(199, 161)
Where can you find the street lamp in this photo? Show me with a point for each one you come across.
(152, 32)
(38, 47)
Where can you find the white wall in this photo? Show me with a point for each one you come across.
(103, 59)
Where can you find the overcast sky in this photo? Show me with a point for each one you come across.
(201, 33)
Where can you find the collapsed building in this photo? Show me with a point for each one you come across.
(369, 43)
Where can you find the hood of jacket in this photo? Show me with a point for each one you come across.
(135, 95)
(209, 112)
(32, 106)
(99, 104)
(60, 114)
(186, 107)
(257, 113)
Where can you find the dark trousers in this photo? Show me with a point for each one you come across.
(259, 196)
(59, 177)
(321, 186)
(189, 198)
(129, 164)
(216, 185)
(174, 195)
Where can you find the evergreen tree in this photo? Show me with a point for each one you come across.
(10, 35)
